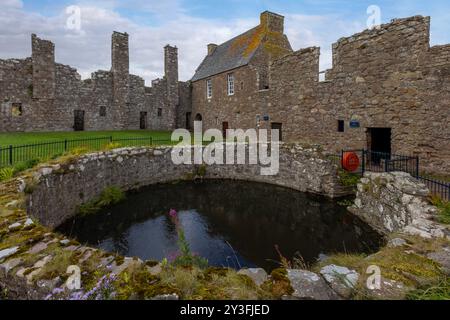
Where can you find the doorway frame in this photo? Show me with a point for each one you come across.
(79, 125)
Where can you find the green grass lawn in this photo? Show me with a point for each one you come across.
(37, 147)
(14, 139)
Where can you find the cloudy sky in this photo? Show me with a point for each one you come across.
(190, 25)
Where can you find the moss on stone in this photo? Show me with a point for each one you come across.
(23, 238)
(348, 179)
(120, 260)
(278, 285)
(404, 264)
(443, 208)
(151, 263)
(57, 266)
(201, 171)
(29, 188)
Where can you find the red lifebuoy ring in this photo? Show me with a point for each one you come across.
(350, 161)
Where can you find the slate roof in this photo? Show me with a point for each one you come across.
(232, 54)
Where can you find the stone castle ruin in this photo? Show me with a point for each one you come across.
(387, 91)
(37, 94)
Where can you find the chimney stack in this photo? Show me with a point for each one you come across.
(211, 48)
(272, 22)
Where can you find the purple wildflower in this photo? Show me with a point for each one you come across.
(173, 213)
(76, 296)
(173, 256)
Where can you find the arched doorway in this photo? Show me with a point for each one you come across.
(198, 117)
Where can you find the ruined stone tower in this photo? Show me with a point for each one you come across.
(43, 57)
(171, 76)
(120, 68)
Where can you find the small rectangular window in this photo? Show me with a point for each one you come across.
(209, 88)
(102, 111)
(341, 126)
(159, 112)
(230, 84)
(16, 110)
(279, 128)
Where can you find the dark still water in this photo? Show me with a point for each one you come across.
(232, 224)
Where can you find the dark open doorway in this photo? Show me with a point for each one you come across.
(78, 124)
(379, 143)
(143, 120)
(379, 140)
(188, 120)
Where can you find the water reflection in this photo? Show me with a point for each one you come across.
(233, 224)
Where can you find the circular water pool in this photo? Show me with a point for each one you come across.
(232, 224)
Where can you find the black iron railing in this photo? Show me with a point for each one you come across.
(12, 155)
(372, 161)
(437, 187)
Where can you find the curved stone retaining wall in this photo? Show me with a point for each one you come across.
(391, 202)
(58, 190)
(396, 202)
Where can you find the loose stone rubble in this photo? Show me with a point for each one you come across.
(258, 275)
(341, 279)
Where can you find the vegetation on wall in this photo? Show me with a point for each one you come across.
(439, 291)
(10, 172)
(110, 196)
(444, 209)
(407, 265)
(348, 179)
(6, 173)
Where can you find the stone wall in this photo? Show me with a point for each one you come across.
(184, 110)
(387, 78)
(381, 78)
(59, 190)
(250, 102)
(37, 94)
(397, 203)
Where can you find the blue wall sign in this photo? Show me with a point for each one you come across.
(266, 118)
(354, 124)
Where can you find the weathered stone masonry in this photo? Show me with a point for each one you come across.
(37, 94)
(387, 78)
(388, 81)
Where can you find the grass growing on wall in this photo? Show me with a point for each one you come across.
(7, 173)
(109, 196)
(440, 291)
(444, 209)
(348, 179)
(408, 265)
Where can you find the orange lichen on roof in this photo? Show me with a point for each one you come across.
(251, 41)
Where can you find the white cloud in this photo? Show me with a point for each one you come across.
(321, 31)
(11, 4)
(89, 49)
